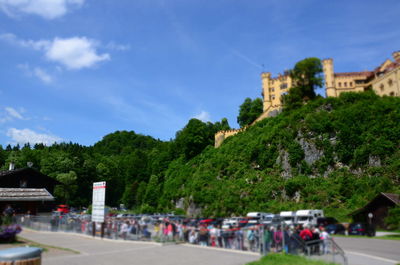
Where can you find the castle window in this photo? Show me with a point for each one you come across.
(284, 86)
(345, 84)
(273, 97)
(340, 84)
(351, 84)
(390, 82)
(392, 94)
(273, 89)
(382, 87)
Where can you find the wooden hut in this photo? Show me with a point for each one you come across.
(377, 209)
(26, 190)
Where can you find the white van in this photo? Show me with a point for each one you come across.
(259, 218)
(288, 217)
(231, 222)
(268, 218)
(308, 217)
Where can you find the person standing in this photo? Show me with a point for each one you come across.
(251, 238)
(267, 239)
(324, 236)
(124, 229)
(278, 237)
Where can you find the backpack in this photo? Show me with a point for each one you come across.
(250, 235)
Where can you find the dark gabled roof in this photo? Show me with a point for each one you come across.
(22, 194)
(395, 198)
(391, 197)
(27, 171)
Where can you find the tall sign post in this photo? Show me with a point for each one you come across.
(98, 203)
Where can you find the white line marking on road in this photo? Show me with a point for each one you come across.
(223, 249)
(98, 254)
(372, 257)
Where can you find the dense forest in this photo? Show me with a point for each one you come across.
(331, 153)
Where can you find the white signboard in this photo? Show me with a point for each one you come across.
(99, 195)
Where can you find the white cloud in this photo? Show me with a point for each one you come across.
(117, 47)
(13, 113)
(12, 39)
(48, 9)
(37, 72)
(42, 75)
(73, 53)
(9, 114)
(203, 116)
(28, 136)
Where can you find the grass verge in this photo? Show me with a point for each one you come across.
(284, 259)
(388, 237)
(24, 242)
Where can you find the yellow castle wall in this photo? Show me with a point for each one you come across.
(273, 88)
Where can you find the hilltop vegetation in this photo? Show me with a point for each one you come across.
(333, 153)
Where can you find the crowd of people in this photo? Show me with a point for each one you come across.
(256, 238)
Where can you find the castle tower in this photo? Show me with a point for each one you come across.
(396, 56)
(329, 77)
(265, 79)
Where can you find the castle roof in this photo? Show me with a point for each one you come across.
(347, 74)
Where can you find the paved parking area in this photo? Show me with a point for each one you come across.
(370, 251)
(102, 252)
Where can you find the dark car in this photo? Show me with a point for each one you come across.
(335, 229)
(324, 221)
(361, 229)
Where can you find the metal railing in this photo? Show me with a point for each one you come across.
(261, 239)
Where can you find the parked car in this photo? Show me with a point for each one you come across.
(324, 221)
(63, 209)
(361, 229)
(335, 229)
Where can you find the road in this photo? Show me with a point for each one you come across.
(362, 251)
(105, 252)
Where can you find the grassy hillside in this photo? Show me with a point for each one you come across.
(334, 153)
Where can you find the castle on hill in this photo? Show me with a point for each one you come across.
(384, 80)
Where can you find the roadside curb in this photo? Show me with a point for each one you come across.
(96, 238)
(223, 250)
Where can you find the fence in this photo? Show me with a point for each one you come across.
(263, 239)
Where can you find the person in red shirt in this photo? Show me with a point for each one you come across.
(306, 234)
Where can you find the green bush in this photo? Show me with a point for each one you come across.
(392, 221)
(284, 259)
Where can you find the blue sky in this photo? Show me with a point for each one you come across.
(76, 70)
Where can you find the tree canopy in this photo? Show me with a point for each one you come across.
(306, 77)
(249, 111)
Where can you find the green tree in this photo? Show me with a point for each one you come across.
(129, 196)
(222, 125)
(193, 138)
(141, 192)
(392, 221)
(67, 190)
(249, 111)
(152, 191)
(306, 77)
